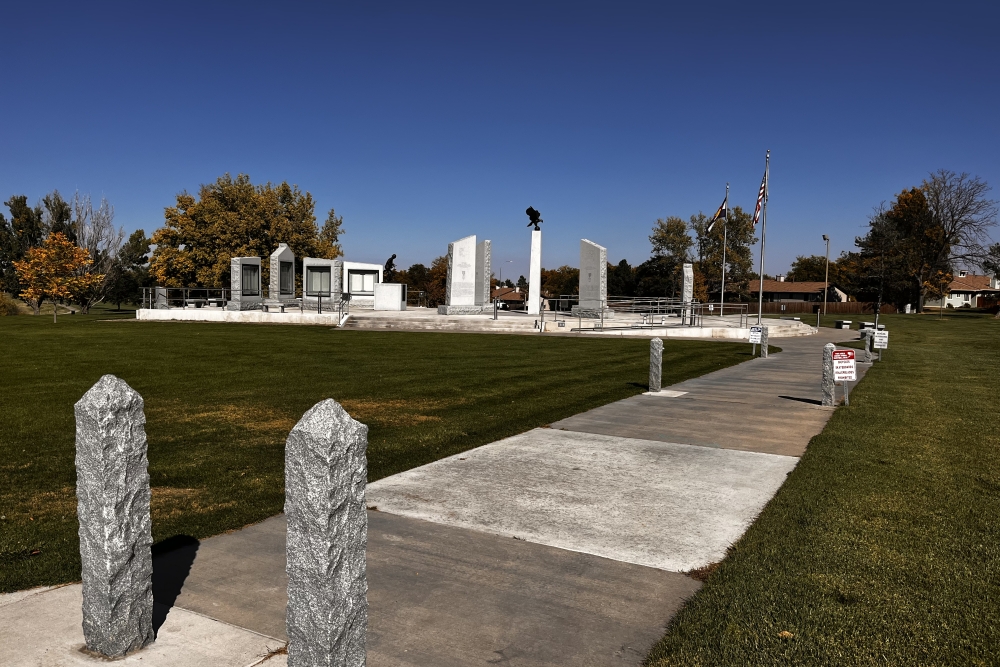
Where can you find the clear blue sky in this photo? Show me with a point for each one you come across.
(425, 123)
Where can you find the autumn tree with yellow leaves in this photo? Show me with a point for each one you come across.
(54, 270)
(232, 217)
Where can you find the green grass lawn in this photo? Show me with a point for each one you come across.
(883, 547)
(221, 398)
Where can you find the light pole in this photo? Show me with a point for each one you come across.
(500, 279)
(826, 282)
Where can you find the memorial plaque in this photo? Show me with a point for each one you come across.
(461, 288)
(844, 369)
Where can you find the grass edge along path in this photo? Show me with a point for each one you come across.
(221, 398)
(883, 546)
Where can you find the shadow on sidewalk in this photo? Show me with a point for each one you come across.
(172, 560)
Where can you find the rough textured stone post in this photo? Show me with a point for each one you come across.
(829, 398)
(325, 475)
(763, 342)
(112, 490)
(655, 364)
(867, 336)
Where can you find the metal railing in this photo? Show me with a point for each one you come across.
(220, 297)
(654, 312)
(185, 297)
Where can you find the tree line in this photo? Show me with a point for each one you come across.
(914, 244)
(71, 251)
(68, 251)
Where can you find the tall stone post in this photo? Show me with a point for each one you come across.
(484, 272)
(763, 341)
(867, 336)
(325, 475)
(829, 397)
(112, 491)
(687, 292)
(655, 364)
(535, 273)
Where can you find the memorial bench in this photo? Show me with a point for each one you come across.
(842, 324)
(281, 305)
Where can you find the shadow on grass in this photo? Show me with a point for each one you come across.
(172, 560)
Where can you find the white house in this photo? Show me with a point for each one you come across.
(969, 290)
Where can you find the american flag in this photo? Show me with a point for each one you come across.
(761, 197)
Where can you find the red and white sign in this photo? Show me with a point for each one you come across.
(844, 369)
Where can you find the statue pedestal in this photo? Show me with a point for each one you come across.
(535, 273)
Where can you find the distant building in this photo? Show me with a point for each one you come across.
(509, 297)
(970, 290)
(781, 290)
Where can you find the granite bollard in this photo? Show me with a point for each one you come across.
(867, 336)
(326, 471)
(763, 341)
(655, 364)
(112, 490)
(829, 387)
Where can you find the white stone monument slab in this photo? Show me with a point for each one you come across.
(244, 284)
(593, 281)
(281, 281)
(321, 282)
(460, 290)
(535, 273)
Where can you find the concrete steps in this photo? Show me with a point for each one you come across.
(368, 321)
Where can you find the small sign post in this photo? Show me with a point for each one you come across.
(844, 370)
(755, 335)
(880, 342)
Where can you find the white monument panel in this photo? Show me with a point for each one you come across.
(462, 272)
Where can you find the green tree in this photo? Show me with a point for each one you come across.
(58, 216)
(131, 270)
(739, 236)
(329, 235)
(811, 269)
(670, 239)
(621, 279)
(235, 218)
(22, 232)
(557, 282)
(522, 282)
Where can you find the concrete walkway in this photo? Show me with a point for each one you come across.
(560, 546)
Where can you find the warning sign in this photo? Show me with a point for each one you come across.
(755, 334)
(881, 340)
(844, 369)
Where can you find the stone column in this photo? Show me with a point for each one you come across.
(829, 397)
(763, 341)
(867, 335)
(484, 272)
(325, 475)
(687, 292)
(112, 490)
(535, 273)
(655, 364)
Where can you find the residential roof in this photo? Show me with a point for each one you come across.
(508, 294)
(971, 283)
(787, 286)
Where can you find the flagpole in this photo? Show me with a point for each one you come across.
(763, 236)
(725, 230)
